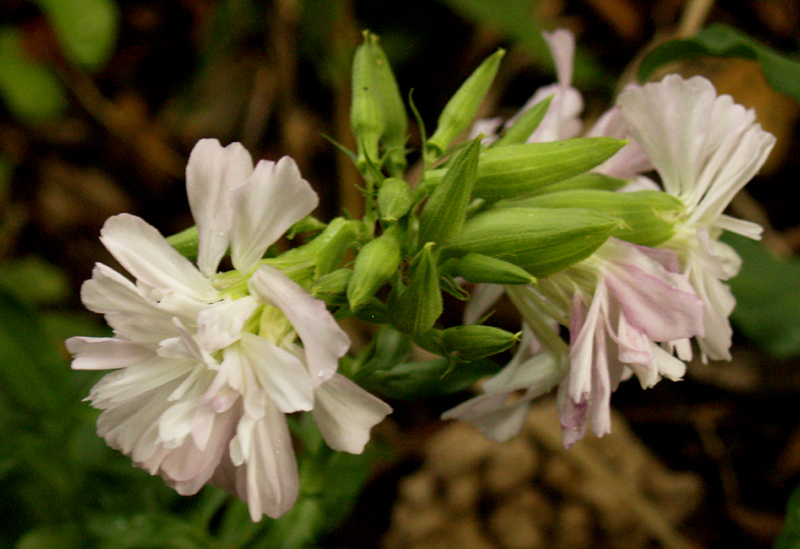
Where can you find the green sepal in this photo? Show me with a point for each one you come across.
(460, 111)
(306, 225)
(395, 131)
(325, 253)
(443, 215)
(394, 199)
(186, 242)
(415, 308)
(649, 216)
(366, 117)
(331, 287)
(478, 269)
(588, 180)
(517, 171)
(375, 265)
(540, 240)
(387, 349)
(524, 126)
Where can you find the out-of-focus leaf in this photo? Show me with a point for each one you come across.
(790, 536)
(149, 531)
(31, 91)
(33, 280)
(86, 29)
(33, 374)
(768, 298)
(429, 378)
(52, 537)
(782, 73)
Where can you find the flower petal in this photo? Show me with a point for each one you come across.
(213, 171)
(103, 353)
(273, 198)
(493, 415)
(323, 340)
(280, 373)
(267, 476)
(147, 255)
(345, 413)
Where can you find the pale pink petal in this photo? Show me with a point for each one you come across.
(482, 298)
(133, 381)
(147, 255)
(281, 375)
(213, 171)
(102, 353)
(273, 198)
(323, 340)
(266, 477)
(561, 43)
(221, 324)
(739, 226)
(345, 413)
(494, 416)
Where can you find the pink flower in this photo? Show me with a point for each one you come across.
(207, 363)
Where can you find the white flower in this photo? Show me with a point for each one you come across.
(705, 148)
(619, 304)
(208, 364)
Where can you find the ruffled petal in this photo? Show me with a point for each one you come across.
(103, 353)
(147, 255)
(213, 171)
(493, 415)
(266, 474)
(323, 340)
(281, 374)
(345, 413)
(221, 324)
(273, 198)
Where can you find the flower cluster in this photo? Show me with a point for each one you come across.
(208, 363)
(629, 308)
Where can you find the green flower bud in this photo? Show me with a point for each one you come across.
(462, 107)
(443, 216)
(588, 180)
(186, 242)
(366, 116)
(474, 341)
(525, 125)
(542, 241)
(395, 132)
(649, 216)
(375, 265)
(331, 287)
(477, 268)
(415, 308)
(394, 199)
(517, 171)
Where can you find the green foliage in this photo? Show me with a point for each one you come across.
(719, 40)
(375, 265)
(414, 308)
(524, 126)
(767, 298)
(31, 91)
(86, 29)
(789, 537)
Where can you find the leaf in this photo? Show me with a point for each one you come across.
(86, 29)
(768, 298)
(33, 280)
(30, 90)
(719, 40)
(429, 378)
(789, 538)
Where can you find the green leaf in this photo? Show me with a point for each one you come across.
(32, 280)
(540, 240)
(429, 378)
(767, 298)
(33, 374)
(719, 40)
(517, 171)
(31, 91)
(789, 538)
(85, 29)
(524, 126)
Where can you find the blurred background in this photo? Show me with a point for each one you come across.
(101, 102)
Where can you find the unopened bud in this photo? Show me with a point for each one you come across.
(394, 199)
(375, 265)
(474, 341)
(478, 269)
(415, 308)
